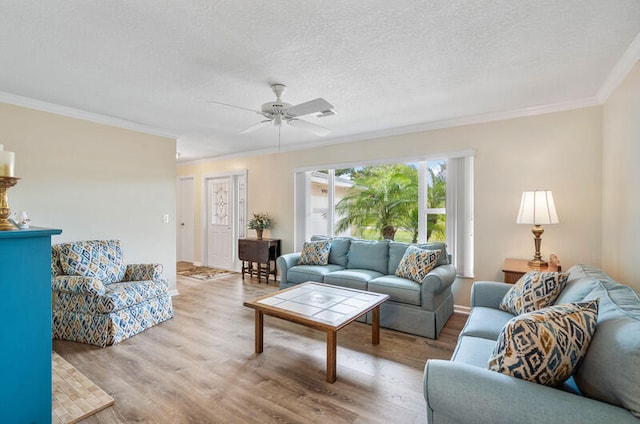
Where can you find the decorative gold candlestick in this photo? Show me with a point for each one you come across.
(5, 183)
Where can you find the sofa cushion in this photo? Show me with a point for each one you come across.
(117, 296)
(416, 263)
(547, 345)
(303, 273)
(396, 253)
(582, 279)
(473, 351)
(534, 290)
(373, 255)
(486, 323)
(399, 289)
(611, 368)
(339, 249)
(352, 278)
(102, 259)
(315, 253)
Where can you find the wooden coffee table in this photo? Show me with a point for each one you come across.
(321, 306)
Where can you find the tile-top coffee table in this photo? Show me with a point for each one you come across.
(320, 306)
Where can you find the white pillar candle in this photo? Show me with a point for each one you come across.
(7, 162)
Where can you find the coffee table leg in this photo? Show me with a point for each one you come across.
(259, 330)
(375, 326)
(331, 356)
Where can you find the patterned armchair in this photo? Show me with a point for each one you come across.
(100, 300)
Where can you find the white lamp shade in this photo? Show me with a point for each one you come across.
(537, 208)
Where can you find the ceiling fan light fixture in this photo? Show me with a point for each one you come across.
(277, 120)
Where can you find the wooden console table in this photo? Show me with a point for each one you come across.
(261, 252)
(515, 268)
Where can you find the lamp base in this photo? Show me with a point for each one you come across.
(538, 263)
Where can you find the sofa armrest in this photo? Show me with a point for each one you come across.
(285, 262)
(143, 272)
(488, 293)
(438, 279)
(465, 393)
(77, 284)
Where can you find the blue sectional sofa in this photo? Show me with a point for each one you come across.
(416, 308)
(604, 389)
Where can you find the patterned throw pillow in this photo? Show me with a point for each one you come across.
(315, 253)
(534, 290)
(102, 259)
(546, 346)
(416, 263)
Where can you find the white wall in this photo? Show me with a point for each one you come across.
(559, 151)
(94, 181)
(621, 182)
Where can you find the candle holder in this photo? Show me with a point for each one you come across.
(5, 184)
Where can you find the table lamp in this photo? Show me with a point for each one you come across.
(537, 208)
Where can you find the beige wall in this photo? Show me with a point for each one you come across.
(94, 181)
(559, 151)
(621, 182)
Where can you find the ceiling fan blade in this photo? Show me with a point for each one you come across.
(237, 107)
(309, 126)
(256, 126)
(312, 106)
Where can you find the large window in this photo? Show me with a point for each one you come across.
(416, 201)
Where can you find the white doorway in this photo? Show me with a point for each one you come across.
(185, 219)
(225, 219)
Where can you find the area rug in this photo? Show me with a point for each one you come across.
(75, 397)
(203, 272)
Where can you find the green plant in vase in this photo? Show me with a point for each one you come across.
(261, 221)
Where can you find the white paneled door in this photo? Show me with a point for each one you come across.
(220, 222)
(185, 210)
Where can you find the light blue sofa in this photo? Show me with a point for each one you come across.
(604, 389)
(420, 309)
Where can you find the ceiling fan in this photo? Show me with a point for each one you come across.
(279, 112)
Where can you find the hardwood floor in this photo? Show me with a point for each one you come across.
(200, 366)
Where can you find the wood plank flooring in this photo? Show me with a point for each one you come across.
(200, 366)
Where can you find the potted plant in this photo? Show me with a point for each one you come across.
(261, 221)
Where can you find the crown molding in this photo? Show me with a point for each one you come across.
(80, 114)
(619, 72)
(469, 120)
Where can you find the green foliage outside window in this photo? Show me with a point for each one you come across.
(383, 203)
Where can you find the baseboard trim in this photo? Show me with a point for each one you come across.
(197, 263)
(174, 293)
(459, 309)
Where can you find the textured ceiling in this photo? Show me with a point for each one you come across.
(384, 65)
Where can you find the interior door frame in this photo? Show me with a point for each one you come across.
(235, 225)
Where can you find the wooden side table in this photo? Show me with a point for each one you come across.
(261, 252)
(515, 268)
